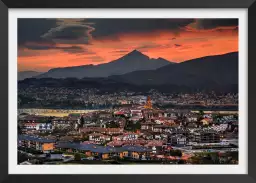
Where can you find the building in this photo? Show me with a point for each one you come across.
(99, 138)
(177, 140)
(206, 137)
(64, 122)
(29, 126)
(136, 114)
(147, 126)
(106, 152)
(126, 136)
(37, 126)
(153, 113)
(136, 152)
(107, 131)
(44, 127)
(160, 128)
(36, 143)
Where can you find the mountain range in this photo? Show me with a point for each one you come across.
(27, 74)
(218, 72)
(133, 61)
(210, 70)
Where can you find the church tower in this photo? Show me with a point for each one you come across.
(148, 103)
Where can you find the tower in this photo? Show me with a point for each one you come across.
(148, 103)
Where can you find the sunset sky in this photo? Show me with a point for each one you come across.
(48, 43)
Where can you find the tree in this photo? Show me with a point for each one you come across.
(201, 112)
(215, 157)
(19, 129)
(77, 157)
(176, 153)
(195, 160)
(112, 124)
(81, 121)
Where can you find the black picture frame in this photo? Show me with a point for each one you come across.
(250, 5)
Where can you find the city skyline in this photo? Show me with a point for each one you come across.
(48, 43)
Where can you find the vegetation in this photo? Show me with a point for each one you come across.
(130, 126)
(29, 150)
(19, 130)
(112, 124)
(77, 157)
(214, 158)
(175, 153)
(81, 122)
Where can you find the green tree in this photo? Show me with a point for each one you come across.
(81, 121)
(215, 157)
(201, 112)
(195, 160)
(176, 153)
(19, 129)
(77, 157)
(112, 124)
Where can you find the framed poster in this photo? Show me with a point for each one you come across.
(127, 88)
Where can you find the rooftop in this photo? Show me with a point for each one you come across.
(35, 139)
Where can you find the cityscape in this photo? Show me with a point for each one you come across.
(148, 91)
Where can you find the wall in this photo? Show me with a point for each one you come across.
(47, 146)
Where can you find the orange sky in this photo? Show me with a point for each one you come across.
(176, 47)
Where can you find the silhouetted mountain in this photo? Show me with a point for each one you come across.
(210, 71)
(27, 74)
(133, 61)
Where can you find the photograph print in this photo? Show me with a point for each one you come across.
(127, 91)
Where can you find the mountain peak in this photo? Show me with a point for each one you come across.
(135, 53)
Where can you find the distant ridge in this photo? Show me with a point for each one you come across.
(211, 73)
(133, 61)
(27, 74)
(209, 70)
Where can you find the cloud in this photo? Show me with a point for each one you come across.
(95, 58)
(70, 34)
(204, 24)
(110, 27)
(68, 49)
(177, 45)
(120, 51)
(74, 49)
(146, 46)
(84, 31)
(30, 30)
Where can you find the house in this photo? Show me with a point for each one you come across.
(64, 122)
(192, 118)
(160, 128)
(153, 113)
(206, 137)
(136, 152)
(129, 136)
(147, 126)
(37, 143)
(37, 126)
(206, 121)
(148, 135)
(92, 150)
(156, 145)
(108, 131)
(44, 127)
(137, 113)
(99, 138)
(29, 126)
(177, 140)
